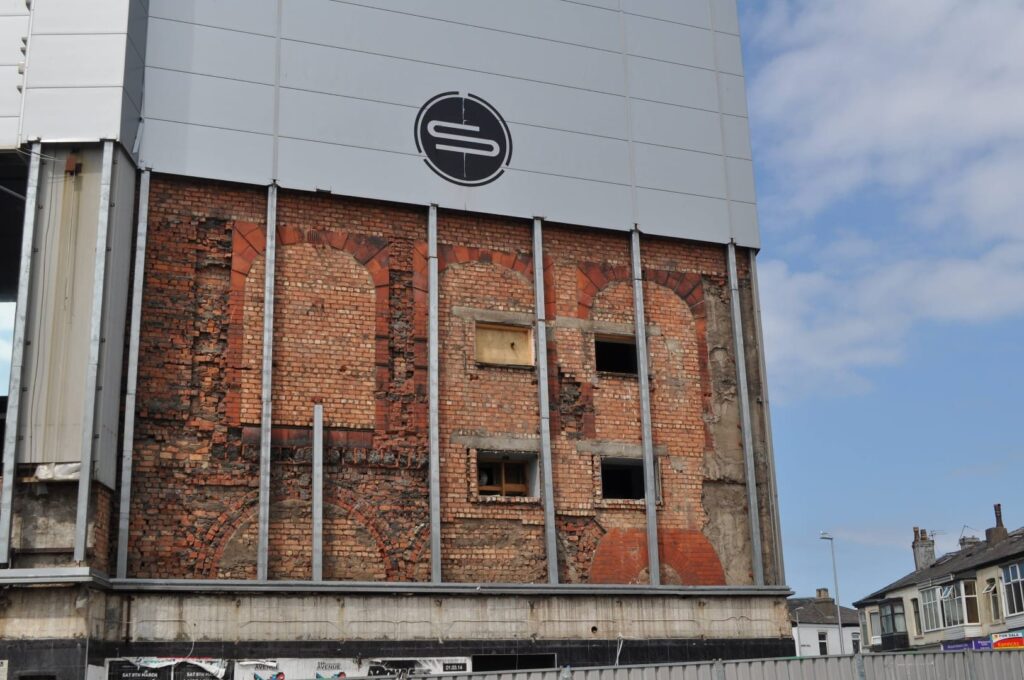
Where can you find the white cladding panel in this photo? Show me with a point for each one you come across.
(616, 116)
(13, 25)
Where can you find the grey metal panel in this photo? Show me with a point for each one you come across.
(318, 492)
(740, 173)
(559, 21)
(380, 78)
(309, 165)
(208, 152)
(77, 60)
(266, 392)
(670, 214)
(691, 12)
(688, 172)
(131, 382)
(10, 97)
(683, 128)
(734, 96)
(672, 84)
(433, 397)
(13, 416)
(355, 122)
(250, 16)
(96, 113)
(725, 17)
(736, 135)
(12, 28)
(76, 17)
(115, 304)
(212, 102)
(409, 37)
(677, 43)
(728, 53)
(92, 370)
(744, 224)
(211, 51)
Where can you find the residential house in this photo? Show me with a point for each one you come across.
(959, 600)
(815, 632)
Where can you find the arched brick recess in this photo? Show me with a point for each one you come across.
(687, 558)
(245, 308)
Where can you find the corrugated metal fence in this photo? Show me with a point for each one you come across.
(1001, 665)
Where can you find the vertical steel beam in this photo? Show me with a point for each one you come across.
(10, 443)
(433, 398)
(92, 370)
(318, 492)
(748, 439)
(650, 490)
(550, 530)
(773, 487)
(270, 259)
(123, 521)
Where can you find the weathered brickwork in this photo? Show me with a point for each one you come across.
(350, 334)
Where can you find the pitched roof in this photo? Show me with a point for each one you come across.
(957, 564)
(822, 611)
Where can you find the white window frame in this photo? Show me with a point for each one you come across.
(994, 598)
(946, 606)
(1013, 579)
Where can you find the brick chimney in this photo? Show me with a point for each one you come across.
(822, 594)
(969, 541)
(924, 549)
(998, 532)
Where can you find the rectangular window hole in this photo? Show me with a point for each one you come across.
(615, 354)
(622, 479)
(501, 474)
(504, 345)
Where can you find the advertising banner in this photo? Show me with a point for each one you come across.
(335, 669)
(964, 645)
(1014, 640)
(168, 668)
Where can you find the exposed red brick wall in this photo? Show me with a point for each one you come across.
(350, 333)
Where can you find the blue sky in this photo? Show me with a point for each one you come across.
(889, 152)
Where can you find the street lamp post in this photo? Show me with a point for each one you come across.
(797, 613)
(825, 536)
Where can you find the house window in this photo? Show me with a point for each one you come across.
(952, 603)
(930, 603)
(855, 640)
(615, 354)
(992, 591)
(876, 625)
(916, 608)
(863, 624)
(504, 345)
(501, 475)
(970, 589)
(622, 479)
(1013, 583)
(893, 619)
(823, 644)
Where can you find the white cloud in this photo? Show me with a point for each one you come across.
(916, 105)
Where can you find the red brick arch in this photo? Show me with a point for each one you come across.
(249, 242)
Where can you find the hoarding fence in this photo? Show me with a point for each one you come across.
(967, 665)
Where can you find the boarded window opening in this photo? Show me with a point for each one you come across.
(622, 479)
(511, 662)
(504, 345)
(505, 474)
(615, 354)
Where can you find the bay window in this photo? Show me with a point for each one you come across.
(951, 605)
(1013, 584)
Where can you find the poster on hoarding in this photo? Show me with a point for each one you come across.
(337, 669)
(964, 645)
(168, 668)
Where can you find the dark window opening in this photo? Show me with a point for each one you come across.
(823, 644)
(503, 477)
(621, 479)
(488, 663)
(615, 354)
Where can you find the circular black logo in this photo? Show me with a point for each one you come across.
(464, 138)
